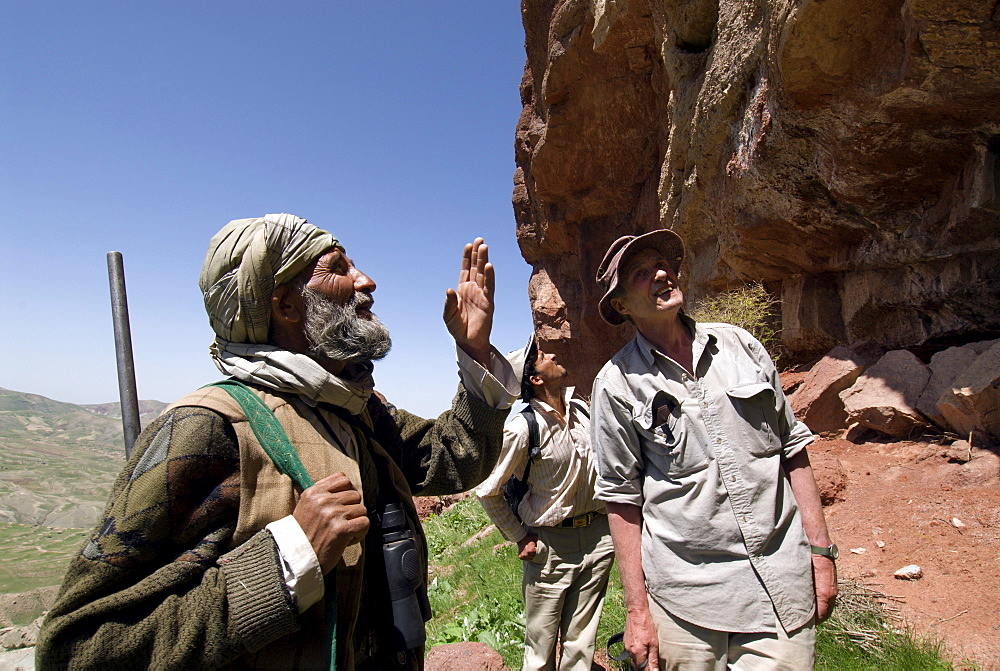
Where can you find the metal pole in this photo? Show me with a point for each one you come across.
(123, 351)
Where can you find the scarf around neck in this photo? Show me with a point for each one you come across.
(300, 374)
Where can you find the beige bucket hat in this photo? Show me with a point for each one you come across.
(624, 248)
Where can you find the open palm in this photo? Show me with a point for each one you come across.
(468, 308)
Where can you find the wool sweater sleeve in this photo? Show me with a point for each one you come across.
(153, 586)
(451, 454)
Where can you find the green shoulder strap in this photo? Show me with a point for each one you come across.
(275, 442)
(268, 430)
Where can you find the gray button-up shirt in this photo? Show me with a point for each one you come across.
(722, 540)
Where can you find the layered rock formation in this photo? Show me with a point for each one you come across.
(845, 153)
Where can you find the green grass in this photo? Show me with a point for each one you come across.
(36, 556)
(897, 651)
(34, 562)
(475, 593)
(865, 633)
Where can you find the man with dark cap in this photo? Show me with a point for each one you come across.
(717, 522)
(212, 552)
(560, 530)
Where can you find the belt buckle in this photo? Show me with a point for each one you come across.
(581, 521)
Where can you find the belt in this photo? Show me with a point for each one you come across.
(579, 520)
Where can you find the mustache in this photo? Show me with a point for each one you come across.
(337, 332)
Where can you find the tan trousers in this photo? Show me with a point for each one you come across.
(688, 647)
(564, 587)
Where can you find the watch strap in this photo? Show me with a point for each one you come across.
(830, 550)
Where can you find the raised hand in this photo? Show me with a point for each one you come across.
(468, 309)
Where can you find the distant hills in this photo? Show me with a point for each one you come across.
(148, 410)
(58, 460)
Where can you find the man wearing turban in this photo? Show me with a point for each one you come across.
(209, 554)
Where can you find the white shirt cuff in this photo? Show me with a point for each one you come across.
(303, 574)
(497, 387)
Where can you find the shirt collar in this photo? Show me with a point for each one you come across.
(542, 405)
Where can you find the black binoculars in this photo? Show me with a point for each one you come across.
(405, 571)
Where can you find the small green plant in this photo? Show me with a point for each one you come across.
(489, 624)
(749, 307)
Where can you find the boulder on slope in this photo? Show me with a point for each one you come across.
(885, 396)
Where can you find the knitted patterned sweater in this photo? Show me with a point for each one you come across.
(181, 574)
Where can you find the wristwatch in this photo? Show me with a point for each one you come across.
(830, 550)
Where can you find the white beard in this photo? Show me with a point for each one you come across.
(337, 333)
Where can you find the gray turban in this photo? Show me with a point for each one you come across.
(245, 261)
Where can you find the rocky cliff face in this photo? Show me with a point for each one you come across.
(844, 152)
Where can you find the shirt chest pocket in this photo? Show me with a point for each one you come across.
(668, 444)
(755, 405)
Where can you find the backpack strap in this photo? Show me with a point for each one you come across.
(279, 448)
(534, 441)
(581, 406)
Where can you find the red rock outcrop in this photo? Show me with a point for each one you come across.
(847, 154)
(971, 403)
(817, 401)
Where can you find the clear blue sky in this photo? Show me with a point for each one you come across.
(144, 127)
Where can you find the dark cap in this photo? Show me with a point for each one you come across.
(624, 248)
(519, 358)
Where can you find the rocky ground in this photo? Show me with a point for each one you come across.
(905, 503)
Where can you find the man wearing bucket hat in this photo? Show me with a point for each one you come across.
(268, 522)
(560, 530)
(716, 518)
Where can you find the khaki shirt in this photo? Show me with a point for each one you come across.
(562, 478)
(722, 540)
